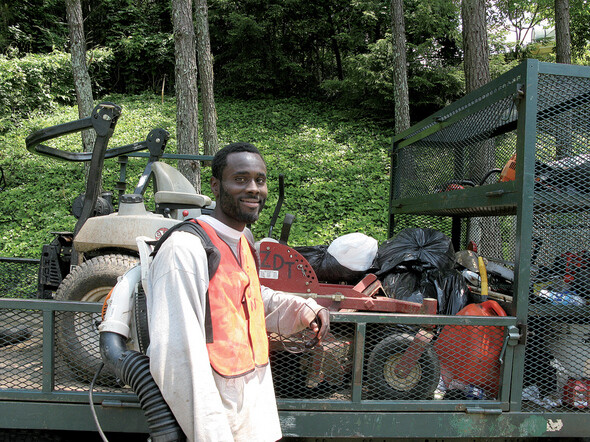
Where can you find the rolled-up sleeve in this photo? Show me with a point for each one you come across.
(287, 313)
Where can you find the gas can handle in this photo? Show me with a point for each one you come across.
(490, 306)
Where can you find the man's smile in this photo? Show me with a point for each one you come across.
(251, 202)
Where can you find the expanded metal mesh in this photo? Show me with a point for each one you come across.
(322, 372)
(557, 365)
(23, 355)
(464, 153)
(556, 370)
(391, 369)
(21, 347)
(18, 278)
(78, 353)
(451, 362)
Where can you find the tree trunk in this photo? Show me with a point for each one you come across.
(477, 73)
(205, 60)
(562, 32)
(79, 68)
(400, 72)
(475, 44)
(563, 54)
(187, 101)
(484, 231)
(404, 157)
(335, 47)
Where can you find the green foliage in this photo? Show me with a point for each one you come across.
(435, 76)
(336, 168)
(368, 81)
(37, 81)
(139, 34)
(33, 26)
(579, 19)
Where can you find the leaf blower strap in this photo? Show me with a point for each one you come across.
(213, 260)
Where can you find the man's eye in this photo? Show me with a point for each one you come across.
(240, 179)
(261, 180)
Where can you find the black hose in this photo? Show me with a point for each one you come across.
(133, 368)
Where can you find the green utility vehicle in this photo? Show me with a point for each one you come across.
(516, 364)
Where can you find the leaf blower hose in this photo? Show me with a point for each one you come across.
(133, 368)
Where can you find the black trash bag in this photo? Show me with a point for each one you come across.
(418, 248)
(403, 285)
(326, 267)
(448, 287)
(451, 291)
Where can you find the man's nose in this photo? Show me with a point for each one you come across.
(252, 187)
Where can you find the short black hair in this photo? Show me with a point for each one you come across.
(220, 159)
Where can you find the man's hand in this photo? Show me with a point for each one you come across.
(320, 326)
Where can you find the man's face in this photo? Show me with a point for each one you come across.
(241, 193)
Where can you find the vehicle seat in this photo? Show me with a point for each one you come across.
(173, 190)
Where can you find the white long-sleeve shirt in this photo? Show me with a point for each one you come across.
(207, 406)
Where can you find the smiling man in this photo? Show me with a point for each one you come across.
(208, 333)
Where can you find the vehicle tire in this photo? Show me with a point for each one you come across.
(384, 384)
(77, 332)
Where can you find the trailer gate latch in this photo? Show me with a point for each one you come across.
(513, 337)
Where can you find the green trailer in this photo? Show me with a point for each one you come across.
(519, 371)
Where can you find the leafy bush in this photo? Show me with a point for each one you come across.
(38, 81)
(143, 60)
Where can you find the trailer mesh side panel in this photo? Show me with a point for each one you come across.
(557, 364)
(457, 150)
(18, 278)
(21, 346)
(322, 372)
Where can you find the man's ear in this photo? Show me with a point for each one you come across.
(215, 183)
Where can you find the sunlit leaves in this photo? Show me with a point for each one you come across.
(336, 168)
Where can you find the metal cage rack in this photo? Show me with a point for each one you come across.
(452, 173)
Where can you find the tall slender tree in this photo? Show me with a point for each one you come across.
(475, 44)
(82, 82)
(562, 32)
(205, 65)
(484, 231)
(187, 93)
(563, 53)
(400, 72)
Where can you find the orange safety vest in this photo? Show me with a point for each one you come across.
(239, 340)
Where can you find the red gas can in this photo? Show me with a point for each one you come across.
(468, 354)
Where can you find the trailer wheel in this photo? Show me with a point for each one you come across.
(77, 332)
(384, 384)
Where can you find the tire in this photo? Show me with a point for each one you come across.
(419, 384)
(77, 332)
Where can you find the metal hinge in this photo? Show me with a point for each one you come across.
(480, 410)
(516, 335)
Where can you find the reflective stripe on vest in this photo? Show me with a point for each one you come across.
(239, 342)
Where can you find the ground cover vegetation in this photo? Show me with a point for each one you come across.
(336, 168)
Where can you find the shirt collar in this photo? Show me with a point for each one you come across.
(222, 228)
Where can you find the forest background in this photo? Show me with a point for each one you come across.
(310, 82)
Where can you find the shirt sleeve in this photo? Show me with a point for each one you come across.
(179, 362)
(287, 313)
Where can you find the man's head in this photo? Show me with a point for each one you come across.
(238, 184)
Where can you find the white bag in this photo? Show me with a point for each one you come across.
(355, 251)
